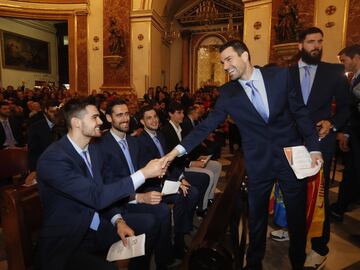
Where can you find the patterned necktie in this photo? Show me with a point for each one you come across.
(257, 101)
(305, 84)
(158, 145)
(95, 222)
(124, 146)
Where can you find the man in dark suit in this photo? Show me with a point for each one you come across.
(172, 133)
(264, 105)
(122, 157)
(10, 128)
(320, 84)
(152, 145)
(349, 137)
(78, 225)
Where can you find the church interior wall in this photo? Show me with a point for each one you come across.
(17, 77)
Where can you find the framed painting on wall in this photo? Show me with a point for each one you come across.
(25, 53)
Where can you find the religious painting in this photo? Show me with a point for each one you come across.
(25, 53)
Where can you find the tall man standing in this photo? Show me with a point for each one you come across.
(320, 84)
(263, 105)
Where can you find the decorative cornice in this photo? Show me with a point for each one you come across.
(43, 26)
(148, 16)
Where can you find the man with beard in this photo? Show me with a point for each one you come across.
(78, 223)
(320, 84)
(270, 115)
(122, 157)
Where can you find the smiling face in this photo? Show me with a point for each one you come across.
(119, 118)
(234, 64)
(150, 120)
(89, 122)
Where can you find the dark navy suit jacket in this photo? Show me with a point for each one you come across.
(262, 142)
(329, 83)
(70, 197)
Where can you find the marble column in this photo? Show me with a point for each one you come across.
(185, 35)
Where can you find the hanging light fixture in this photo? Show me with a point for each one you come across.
(207, 12)
(232, 31)
(171, 34)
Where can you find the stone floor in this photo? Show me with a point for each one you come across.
(344, 254)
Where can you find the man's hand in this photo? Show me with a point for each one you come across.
(30, 179)
(170, 156)
(324, 127)
(343, 142)
(152, 197)
(184, 186)
(155, 168)
(315, 159)
(123, 230)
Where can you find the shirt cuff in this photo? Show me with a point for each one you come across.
(114, 218)
(138, 179)
(181, 150)
(347, 135)
(182, 176)
(315, 152)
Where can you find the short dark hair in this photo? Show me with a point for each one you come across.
(237, 45)
(350, 51)
(49, 103)
(308, 31)
(145, 109)
(113, 103)
(75, 108)
(175, 106)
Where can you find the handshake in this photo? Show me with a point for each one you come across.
(158, 167)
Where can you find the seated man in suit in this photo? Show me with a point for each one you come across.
(122, 157)
(173, 133)
(152, 143)
(78, 225)
(212, 167)
(40, 137)
(10, 128)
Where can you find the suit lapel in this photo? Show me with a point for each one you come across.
(113, 144)
(319, 75)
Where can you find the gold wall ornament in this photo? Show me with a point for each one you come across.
(96, 39)
(330, 24)
(330, 10)
(207, 12)
(140, 37)
(257, 25)
(257, 37)
(140, 46)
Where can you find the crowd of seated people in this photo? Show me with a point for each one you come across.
(36, 119)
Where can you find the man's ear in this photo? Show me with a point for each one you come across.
(75, 122)
(108, 118)
(142, 122)
(245, 56)
(300, 46)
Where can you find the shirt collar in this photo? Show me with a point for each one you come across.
(116, 137)
(303, 64)
(356, 74)
(50, 124)
(77, 148)
(177, 129)
(152, 134)
(255, 76)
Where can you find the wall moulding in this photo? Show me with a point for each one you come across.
(76, 17)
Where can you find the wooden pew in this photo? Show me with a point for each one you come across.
(206, 250)
(21, 220)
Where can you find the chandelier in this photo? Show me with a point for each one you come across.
(232, 31)
(207, 12)
(171, 34)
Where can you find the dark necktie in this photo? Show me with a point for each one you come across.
(95, 222)
(257, 101)
(124, 146)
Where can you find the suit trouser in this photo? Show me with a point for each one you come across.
(319, 244)
(349, 189)
(294, 192)
(213, 170)
(201, 182)
(163, 248)
(90, 254)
